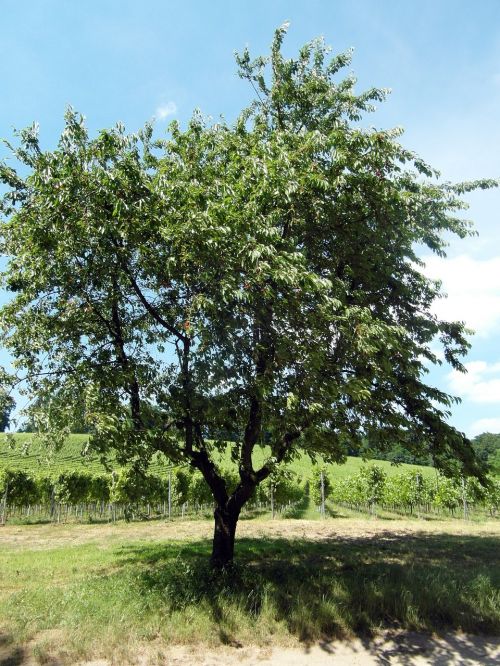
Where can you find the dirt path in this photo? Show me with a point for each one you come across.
(390, 649)
(405, 649)
(387, 649)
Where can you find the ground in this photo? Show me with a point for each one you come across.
(344, 590)
(407, 649)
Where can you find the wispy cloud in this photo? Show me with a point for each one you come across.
(484, 425)
(481, 383)
(165, 110)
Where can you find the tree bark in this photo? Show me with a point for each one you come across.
(224, 531)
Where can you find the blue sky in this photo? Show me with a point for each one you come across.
(132, 61)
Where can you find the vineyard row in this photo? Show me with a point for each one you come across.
(129, 493)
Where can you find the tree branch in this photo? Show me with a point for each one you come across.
(268, 468)
(133, 390)
(150, 308)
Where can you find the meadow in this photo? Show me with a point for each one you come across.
(113, 590)
(73, 592)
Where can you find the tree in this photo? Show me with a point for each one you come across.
(7, 406)
(487, 447)
(259, 278)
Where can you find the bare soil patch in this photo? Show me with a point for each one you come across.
(52, 536)
(405, 649)
(388, 649)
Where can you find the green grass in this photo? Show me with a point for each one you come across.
(28, 454)
(102, 599)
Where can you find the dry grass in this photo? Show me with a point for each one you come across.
(50, 536)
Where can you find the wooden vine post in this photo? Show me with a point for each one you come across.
(4, 502)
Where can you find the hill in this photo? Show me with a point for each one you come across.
(25, 452)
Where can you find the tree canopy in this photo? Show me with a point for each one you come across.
(487, 449)
(7, 406)
(257, 281)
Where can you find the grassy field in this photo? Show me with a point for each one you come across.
(28, 454)
(88, 591)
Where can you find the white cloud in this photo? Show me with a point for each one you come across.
(165, 110)
(473, 289)
(484, 425)
(481, 383)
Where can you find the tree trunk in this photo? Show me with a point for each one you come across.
(224, 531)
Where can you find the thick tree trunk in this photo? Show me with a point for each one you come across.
(224, 531)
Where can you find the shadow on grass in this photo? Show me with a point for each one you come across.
(328, 589)
(10, 654)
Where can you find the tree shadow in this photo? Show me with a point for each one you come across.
(406, 648)
(10, 654)
(333, 588)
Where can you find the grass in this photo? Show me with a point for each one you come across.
(106, 596)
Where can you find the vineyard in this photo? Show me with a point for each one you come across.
(131, 494)
(24, 451)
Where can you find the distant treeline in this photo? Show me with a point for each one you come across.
(486, 446)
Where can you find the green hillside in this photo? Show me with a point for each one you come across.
(25, 452)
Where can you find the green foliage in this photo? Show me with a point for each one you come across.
(283, 487)
(487, 448)
(412, 489)
(492, 496)
(374, 480)
(448, 495)
(21, 488)
(100, 488)
(7, 405)
(45, 489)
(73, 487)
(474, 491)
(372, 486)
(199, 491)
(494, 461)
(350, 490)
(128, 486)
(181, 480)
(367, 488)
(315, 485)
(133, 486)
(398, 454)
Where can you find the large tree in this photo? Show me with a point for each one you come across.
(258, 280)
